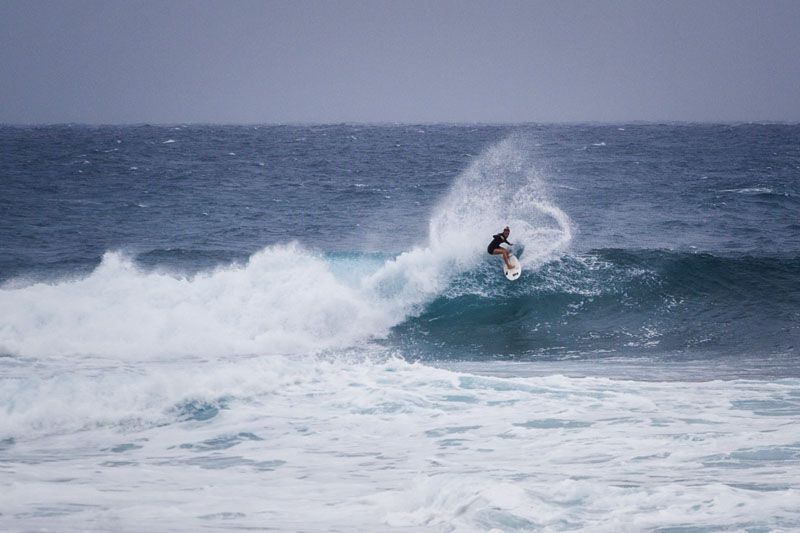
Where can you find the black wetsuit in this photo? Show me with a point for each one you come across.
(496, 241)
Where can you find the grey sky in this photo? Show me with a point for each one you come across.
(180, 61)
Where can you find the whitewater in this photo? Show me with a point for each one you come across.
(299, 329)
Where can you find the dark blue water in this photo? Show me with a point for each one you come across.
(684, 240)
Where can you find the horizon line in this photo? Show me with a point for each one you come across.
(410, 123)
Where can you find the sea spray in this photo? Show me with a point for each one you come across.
(503, 187)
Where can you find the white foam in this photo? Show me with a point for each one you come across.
(361, 445)
(750, 190)
(268, 305)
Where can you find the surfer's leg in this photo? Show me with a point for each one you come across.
(504, 252)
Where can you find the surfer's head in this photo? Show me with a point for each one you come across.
(506, 231)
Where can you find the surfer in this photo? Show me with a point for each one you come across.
(496, 249)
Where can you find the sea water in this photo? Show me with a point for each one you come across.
(298, 328)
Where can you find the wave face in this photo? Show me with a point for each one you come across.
(614, 302)
(428, 305)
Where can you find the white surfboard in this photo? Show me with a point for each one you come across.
(512, 273)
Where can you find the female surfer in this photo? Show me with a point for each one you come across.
(496, 249)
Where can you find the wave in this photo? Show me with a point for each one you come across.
(288, 300)
(283, 299)
(267, 305)
(614, 302)
(445, 299)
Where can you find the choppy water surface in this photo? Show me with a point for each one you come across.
(299, 329)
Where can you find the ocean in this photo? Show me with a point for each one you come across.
(298, 328)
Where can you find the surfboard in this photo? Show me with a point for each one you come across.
(512, 273)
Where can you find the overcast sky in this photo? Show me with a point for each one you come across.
(181, 61)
